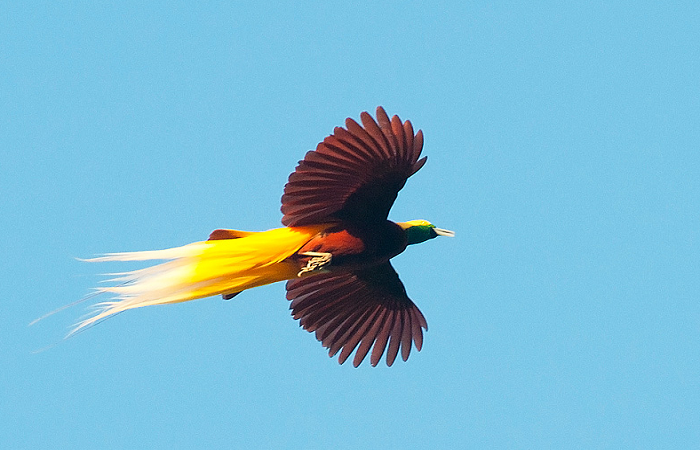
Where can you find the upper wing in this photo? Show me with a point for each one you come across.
(366, 307)
(355, 174)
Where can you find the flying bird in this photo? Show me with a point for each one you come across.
(333, 250)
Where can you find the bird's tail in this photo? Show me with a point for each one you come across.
(220, 266)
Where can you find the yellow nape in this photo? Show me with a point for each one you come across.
(415, 223)
(204, 269)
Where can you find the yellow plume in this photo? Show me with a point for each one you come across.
(203, 269)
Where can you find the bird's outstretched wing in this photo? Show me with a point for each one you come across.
(361, 309)
(355, 174)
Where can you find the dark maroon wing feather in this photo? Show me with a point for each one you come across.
(360, 310)
(355, 174)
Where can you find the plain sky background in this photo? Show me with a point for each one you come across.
(563, 146)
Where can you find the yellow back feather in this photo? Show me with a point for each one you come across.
(203, 269)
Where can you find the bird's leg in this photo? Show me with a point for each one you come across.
(317, 262)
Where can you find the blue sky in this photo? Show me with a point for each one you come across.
(562, 142)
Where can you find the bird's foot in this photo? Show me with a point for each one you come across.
(317, 262)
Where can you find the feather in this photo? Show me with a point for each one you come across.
(355, 174)
(203, 269)
(366, 307)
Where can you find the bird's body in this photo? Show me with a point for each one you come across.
(334, 250)
(355, 246)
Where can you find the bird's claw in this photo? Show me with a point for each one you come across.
(317, 262)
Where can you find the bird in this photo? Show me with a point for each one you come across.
(333, 250)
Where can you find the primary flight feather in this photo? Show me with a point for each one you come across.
(334, 250)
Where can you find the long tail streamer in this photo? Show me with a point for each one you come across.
(202, 269)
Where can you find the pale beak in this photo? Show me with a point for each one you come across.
(442, 232)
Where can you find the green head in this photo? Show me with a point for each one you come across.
(418, 231)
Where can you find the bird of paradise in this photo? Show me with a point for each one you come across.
(333, 250)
